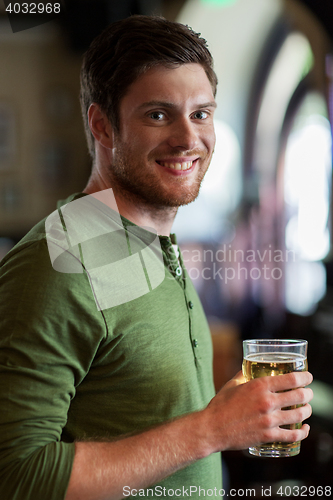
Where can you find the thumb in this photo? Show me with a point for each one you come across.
(238, 379)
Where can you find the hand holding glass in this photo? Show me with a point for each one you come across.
(269, 358)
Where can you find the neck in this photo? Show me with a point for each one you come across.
(158, 218)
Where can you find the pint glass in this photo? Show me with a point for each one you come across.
(272, 357)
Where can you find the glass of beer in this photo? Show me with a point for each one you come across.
(270, 357)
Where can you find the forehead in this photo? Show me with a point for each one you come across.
(187, 83)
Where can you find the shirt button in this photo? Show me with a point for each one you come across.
(195, 343)
(179, 271)
(190, 305)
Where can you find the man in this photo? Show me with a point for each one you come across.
(101, 399)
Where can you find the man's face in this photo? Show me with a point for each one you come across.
(166, 137)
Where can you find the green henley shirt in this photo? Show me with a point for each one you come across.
(71, 371)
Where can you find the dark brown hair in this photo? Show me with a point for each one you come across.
(128, 48)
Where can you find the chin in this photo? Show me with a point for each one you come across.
(180, 201)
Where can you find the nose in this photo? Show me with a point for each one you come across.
(184, 134)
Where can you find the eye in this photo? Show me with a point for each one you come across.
(200, 115)
(156, 115)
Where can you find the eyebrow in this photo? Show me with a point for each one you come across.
(170, 105)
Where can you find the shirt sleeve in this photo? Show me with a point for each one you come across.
(50, 330)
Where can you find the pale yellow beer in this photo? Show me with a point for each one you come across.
(258, 363)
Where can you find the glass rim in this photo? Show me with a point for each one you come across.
(272, 342)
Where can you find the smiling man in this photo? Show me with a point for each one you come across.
(164, 144)
(156, 146)
(100, 401)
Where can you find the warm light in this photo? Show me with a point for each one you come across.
(307, 188)
(307, 191)
(220, 192)
(219, 2)
(294, 60)
(305, 286)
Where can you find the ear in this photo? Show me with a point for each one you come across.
(100, 126)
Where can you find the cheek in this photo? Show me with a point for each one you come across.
(213, 135)
(140, 142)
(210, 139)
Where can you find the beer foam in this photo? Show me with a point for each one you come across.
(275, 357)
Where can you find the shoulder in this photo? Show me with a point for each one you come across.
(32, 280)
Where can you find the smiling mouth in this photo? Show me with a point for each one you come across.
(186, 165)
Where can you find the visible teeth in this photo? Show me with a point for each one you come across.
(177, 166)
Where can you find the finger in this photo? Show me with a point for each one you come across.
(290, 435)
(294, 415)
(289, 381)
(298, 396)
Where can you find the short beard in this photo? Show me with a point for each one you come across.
(147, 191)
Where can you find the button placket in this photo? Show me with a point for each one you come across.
(175, 267)
(194, 341)
(172, 261)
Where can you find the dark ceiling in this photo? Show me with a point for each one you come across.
(83, 21)
(323, 10)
